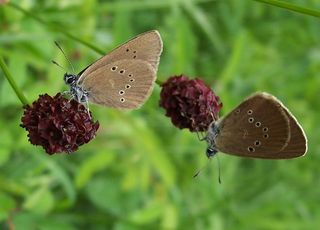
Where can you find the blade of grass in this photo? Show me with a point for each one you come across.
(205, 25)
(291, 7)
(142, 5)
(57, 28)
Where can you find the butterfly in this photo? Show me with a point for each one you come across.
(123, 78)
(259, 127)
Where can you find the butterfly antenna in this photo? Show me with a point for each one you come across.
(57, 64)
(206, 165)
(201, 169)
(59, 47)
(219, 169)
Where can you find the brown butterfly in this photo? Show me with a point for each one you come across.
(123, 78)
(260, 127)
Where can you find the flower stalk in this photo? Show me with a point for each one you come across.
(12, 82)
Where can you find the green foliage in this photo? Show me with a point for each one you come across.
(138, 172)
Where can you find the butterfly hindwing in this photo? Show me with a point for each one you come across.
(258, 127)
(124, 84)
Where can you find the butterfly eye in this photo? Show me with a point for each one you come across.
(265, 136)
(121, 71)
(265, 129)
(131, 80)
(258, 124)
(114, 68)
(128, 86)
(70, 80)
(210, 152)
(249, 112)
(121, 92)
(127, 50)
(251, 120)
(122, 99)
(238, 111)
(257, 143)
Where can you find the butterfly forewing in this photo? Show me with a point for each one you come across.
(146, 47)
(258, 127)
(123, 84)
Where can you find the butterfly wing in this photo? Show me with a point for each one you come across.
(146, 46)
(124, 84)
(297, 145)
(258, 127)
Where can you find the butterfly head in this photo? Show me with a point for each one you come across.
(70, 79)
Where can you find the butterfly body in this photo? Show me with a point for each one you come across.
(212, 133)
(260, 127)
(122, 79)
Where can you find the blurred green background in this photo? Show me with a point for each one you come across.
(138, 172)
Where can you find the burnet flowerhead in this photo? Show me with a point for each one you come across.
(58, 124)
(190, 103)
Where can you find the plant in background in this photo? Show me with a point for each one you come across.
(190, 103)
(145, 181)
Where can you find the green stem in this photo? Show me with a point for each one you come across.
(292, 7)
(56, 27)
(11, 81)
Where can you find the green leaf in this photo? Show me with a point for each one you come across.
(92, 165)
(40, 201)
(146, 215)
(59, 174)
(107, 194)
(5, 143)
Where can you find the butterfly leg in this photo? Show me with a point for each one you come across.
(213, 114)
(88, 111)
(66, 92)
(200, 136)
(82, 97)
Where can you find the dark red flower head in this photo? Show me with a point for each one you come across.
(189, 103)
(57, 124)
